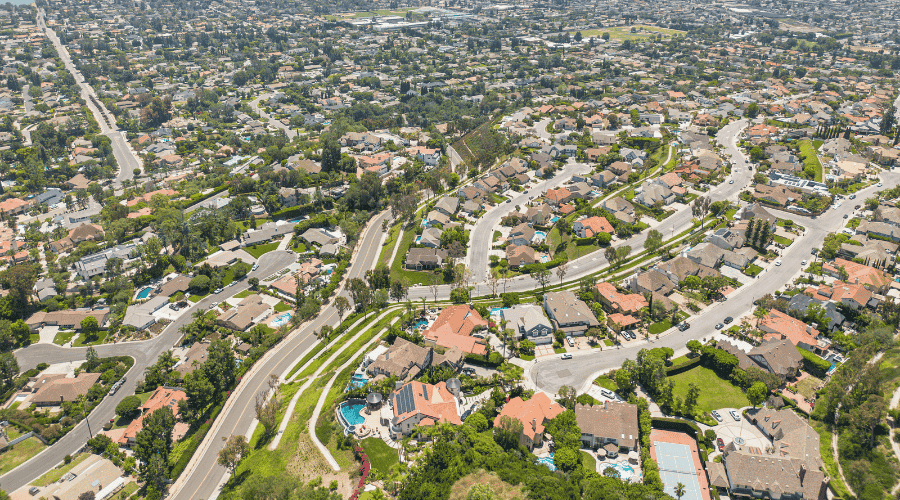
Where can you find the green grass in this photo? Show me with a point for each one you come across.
(657, 328)
(20, 453)
(782, 240)
(380, 454)
(808, 151)
(80, 341)
(55, 474)
(753, 270)
(258, 250)
(606, 383)
(62, 338)
(282, 307)
(715, 393)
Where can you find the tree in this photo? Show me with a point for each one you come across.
(90, 328)
(152, 445)
(230, 455)
(128, 407)
(757, 393)
(541, 274)
(654, 241)
(342, 305)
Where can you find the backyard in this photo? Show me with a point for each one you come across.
(715, 392)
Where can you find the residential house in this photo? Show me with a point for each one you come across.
(528, 323)
(608, 423)
(425, 258)
(533, 414)
(418, 404)
(592, 226)
(568, 313)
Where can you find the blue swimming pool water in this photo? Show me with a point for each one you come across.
(280, 320)
(350, 412)
(548, 462)
(143, 294)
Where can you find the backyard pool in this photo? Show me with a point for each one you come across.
(143, 294)
(282, 319)
(548, 461)
(349, 411)
(624, 471)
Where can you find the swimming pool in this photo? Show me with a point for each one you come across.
(282, 319)
(548, 462)
(349, 411)
(143, 294)
(624, 471)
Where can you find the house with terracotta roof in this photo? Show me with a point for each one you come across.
(778, 325)
(162, 397)
(861, 274)
(615, 301)
(533, 414)
(592, 226)
(418, 404)
(454, 328)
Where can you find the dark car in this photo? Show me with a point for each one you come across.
(720, 444)
(684, 326)
(728, 320)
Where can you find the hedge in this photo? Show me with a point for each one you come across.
(675, 370)
(816, 366)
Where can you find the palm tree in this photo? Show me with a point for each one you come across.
(679, 490)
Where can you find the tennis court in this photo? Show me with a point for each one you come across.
(679, 462)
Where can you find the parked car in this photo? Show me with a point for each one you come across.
(720, 444)
(728, 320)
(735, 415)
(567, 356)
(716, 416)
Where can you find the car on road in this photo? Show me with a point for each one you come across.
(566, 356)
(684, 326)
(719, 326)
(735, 415)
(728, 320)
(777, 262)
(720, 444)
(716, 416)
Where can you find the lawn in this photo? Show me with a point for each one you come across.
(657, 328)
(753, 270)
(715, 393)
(62, 338)
(54, 475)
(807, 387)
(282, 307)
(782, 240)
(20, 453)
(808, 152)
(380, 454)
(258, 250)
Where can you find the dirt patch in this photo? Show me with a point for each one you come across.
(502, 490)
(308, 464)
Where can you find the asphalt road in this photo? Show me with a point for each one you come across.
(272, 121)
(550, 373)
(125, 158)
(203, 475)
(590, 263)
(145, 353)
(482, 235)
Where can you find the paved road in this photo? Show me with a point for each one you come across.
(125, 157)
(271, 119)
(203, 476)
(145, 353)
(590, 263)
(552, 372)
(482, 235)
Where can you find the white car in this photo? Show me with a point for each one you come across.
(777, 262)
